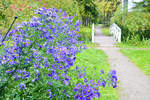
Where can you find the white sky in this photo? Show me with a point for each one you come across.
(131, 4)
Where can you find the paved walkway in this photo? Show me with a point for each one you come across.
(134, 85)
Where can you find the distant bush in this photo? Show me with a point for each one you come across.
(85, 34)
(135, 25)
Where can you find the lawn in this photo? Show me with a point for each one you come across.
(96, 60)
(134, 44)
(140, 57)
(105, 30)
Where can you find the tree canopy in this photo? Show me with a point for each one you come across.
(143, 5)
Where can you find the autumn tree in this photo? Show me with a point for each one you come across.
(107, 9)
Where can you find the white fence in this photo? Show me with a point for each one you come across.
(93, 33)
(116, 32)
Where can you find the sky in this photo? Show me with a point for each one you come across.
(131, 4)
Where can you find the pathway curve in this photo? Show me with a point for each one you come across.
(134, 85)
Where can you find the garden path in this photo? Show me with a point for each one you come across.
(133, 84)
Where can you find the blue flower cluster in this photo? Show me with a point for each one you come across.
(86, 89)
(44, 50)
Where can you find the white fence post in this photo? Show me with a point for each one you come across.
(116, 32)
(93, 33)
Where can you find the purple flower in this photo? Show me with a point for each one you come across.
(113, 72)
(17, 77)
(103, 83)
(96, 95)
(77, 87)
(81, 97)
(80, 75)
(85, 80)
(50, 83)
(115, 85)
(63, 75)
(84, 92)
(89, 90)
(102, 72)
(66, 82)
(68, 60)
(98, 83)
(88, 98)
(60, 10)
(70, 64)
(40, 46)
(50, 94)
(78, 23)
(22, 86)
(25, 75)
(114, 78)
(9, 71)
(27, 42)
(92, 82)
(19, 71)
(53, 66)
(55, 76)
(76, 96)
(96, 89)
(77, 67)
(60, 67)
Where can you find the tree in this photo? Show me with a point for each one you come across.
(143, 5)
(88, 11)
(107, 9)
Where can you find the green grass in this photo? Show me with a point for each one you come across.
(140, 57)
(91, 45)
(94, 58)
(135, 44)
(105, 30)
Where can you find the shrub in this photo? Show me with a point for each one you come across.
(135, 25)
(86, 34)
(38, 57)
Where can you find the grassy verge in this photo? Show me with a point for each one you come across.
(91, 45)
(135, 44)
(96, 59)
(140, 57)
(105, 30)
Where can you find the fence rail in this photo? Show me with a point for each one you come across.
(116, 32)
(93, 33)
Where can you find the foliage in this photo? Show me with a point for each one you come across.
(135, 25)
(140, 57)
(144, 5)
(107, 9)
(9, 9)
(88, 11)
(85, 34)
(24, 9)
(38, 57)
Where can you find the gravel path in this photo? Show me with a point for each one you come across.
(134, 85)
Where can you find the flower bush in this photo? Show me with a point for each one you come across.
(38, 57)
